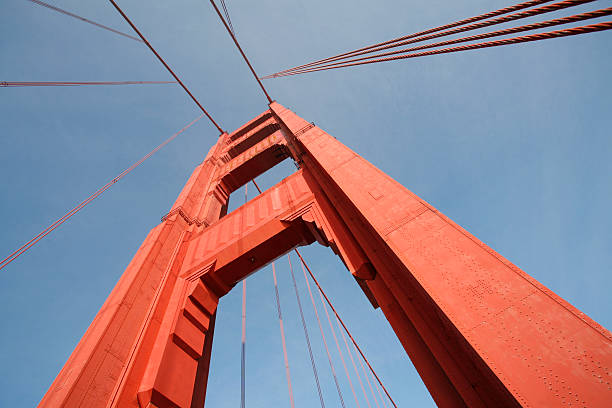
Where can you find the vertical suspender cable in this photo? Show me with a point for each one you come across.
(348, 350)
(367, 377)
(344, 326)
(331, 326)
(312, 361)
(299, 302)
(324, 341)
(243, 350)
(227, 16)
(282, 330)
(377, 386)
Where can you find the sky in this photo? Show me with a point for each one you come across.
(512, 143)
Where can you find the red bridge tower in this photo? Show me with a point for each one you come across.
(480, 331)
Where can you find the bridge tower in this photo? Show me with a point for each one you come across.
(480, 331)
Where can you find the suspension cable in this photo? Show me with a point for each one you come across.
(512, 30)
(324, 340)
(367, 377)
(6, 84)
(331, 326)
(312, 361)
(76, 209)
(243, 349)
(348, 350)
(505, 10)
(339, 319)
(344, 325)
(508, 41)
(59, 10)
(377, 386)
(299, 302)
(227, 16)
(126, 18)
(240, 49)
(524, 14)
(282, 330)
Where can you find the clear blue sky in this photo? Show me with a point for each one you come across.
(513, 143)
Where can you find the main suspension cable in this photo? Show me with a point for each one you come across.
(282, 330)
(524, 14)
(367, 377)
(96, 194)
(312, 361)
(512, 30)
(331, 326)
(297, 296)
(508, 41)
(495, 13)
(240, 49)
(59, 10)
(324, 340)
(344, 326)
(348, 350)
(7, 84)
(126, 18)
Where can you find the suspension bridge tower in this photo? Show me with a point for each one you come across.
(480, 331)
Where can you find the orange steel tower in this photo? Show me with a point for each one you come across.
(480, 332)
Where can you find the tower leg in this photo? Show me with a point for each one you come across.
(479, 330)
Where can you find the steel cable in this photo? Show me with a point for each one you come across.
(512, 30)
(8, 84)
(227, 16)
(312, 361)
(495, 13)
(514, 40)
(127, 19)
(59, 10)
(343, 325)
(282, 330)
(96, 194)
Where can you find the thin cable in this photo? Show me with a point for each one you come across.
(243, 350)
(339, 320)
(59, 10)
(324, 340)
(227, 16)
(297, 296)
(282, 330)
(367, 377)
(126, 18)
(508, 41)
(377, 386)
(8, 84)
(344, 326)
(348, 350)
(529, 13)
(505, 10)
(312, 361)
(240, 49)
(76, 209)
(331, 326)
(512, 30)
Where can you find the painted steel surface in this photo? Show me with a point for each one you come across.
(479, 330)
